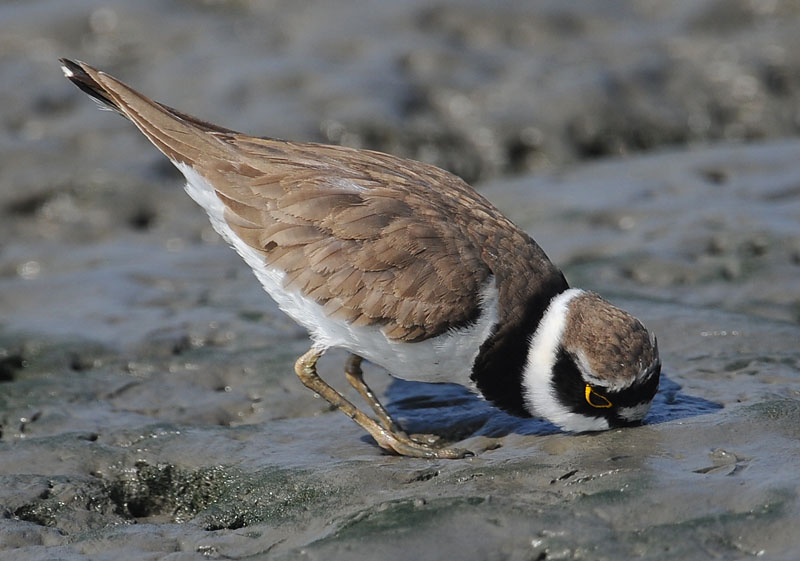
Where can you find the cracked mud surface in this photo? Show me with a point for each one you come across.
(148, 408)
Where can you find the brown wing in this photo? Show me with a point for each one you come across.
(377, 240)
(373, 245)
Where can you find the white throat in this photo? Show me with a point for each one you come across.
(537, 378)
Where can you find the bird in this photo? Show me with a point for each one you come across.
(402, 264)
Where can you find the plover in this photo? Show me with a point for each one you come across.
(403, 264)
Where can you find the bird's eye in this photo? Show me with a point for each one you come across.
(595, 399)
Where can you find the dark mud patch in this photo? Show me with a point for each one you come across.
(212, 497)
(165, 492)
(10, 365)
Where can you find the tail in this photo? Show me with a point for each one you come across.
(179, 136)
(80, 78)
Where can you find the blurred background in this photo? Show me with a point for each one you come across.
(650, 147)
(483, 89)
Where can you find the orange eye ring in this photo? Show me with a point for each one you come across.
(596, 400)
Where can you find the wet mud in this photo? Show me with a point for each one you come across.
(148, 407)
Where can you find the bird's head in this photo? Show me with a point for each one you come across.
(591, 366)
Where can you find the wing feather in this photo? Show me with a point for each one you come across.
(375, 239)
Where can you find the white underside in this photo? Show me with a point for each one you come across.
(537, 378)
(446, 358)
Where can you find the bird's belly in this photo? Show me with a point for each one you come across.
(446, 358)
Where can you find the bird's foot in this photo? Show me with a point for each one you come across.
(410, 446)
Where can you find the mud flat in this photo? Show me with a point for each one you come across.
(151, 409)
(148, 408)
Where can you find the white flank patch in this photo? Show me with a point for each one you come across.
(446, 358)
(67, 72)
(537, 378)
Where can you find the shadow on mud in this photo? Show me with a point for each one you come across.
(453, 412)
